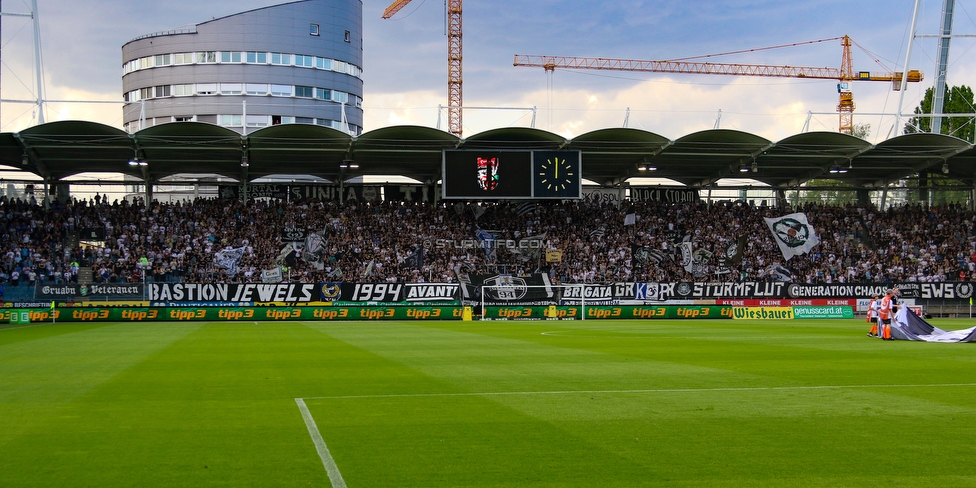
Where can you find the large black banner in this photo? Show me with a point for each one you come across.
(232, 293)
(946, 290)
(348, 192)
(535, 289)
(499, 290)
(751, 289)
(695, 291)
(669, 195)
(389, 293)
(594, 294)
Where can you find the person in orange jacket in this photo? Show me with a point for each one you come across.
(886, 311)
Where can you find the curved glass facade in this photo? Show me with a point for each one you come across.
(298, 62)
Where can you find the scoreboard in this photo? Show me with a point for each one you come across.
(489, 175)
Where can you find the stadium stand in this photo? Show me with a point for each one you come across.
(410, 242)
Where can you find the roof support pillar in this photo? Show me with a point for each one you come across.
(923, 188)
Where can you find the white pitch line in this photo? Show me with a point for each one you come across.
(335, 477)
(663, 390)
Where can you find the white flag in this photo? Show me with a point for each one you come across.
(630, 218)
(687, 258)
(793, 234)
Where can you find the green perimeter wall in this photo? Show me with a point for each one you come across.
(122, 314)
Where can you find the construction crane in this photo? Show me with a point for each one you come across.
(453, 59)
(844, 75)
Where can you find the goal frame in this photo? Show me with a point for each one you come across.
(556, 300)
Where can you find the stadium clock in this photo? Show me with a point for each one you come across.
(556, 174)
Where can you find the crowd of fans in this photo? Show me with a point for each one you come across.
(412, 242)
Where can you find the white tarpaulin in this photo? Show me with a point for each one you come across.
(910, 327)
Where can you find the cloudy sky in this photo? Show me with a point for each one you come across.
(406, 61)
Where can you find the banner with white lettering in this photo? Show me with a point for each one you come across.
(357, 192)
(389, 293)
(603, 195)
(668, 195)
(73, 291)
(499, 289)
(236, 293)
(588, 294)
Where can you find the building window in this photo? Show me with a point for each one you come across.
(279, 58)
(256, 89)
(323, 63)
(183, 58)
(323, 94)
(348, 36)
(207, 57)
(304, 61)
(230, 120)
(162, 91)
(281, 90)
(162, 60)
(303, 91)
(230, 57)
(206, 88)
(258, 58)
(257, 120)
(338, 96)
(313, 29)
(184, 118)
(230, 88)
(145, 93)
(304, 120)
(182, 90)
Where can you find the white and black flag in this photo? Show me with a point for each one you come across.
(644, 256)
(416, 258)
(228, 259)
(630, 218)
(733, 253)
(286, 257)
(314, 250)
(526, 208)
(530, 247)
(793, 234)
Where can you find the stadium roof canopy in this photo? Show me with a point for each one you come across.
(57, 150)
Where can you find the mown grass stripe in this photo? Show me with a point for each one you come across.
(659, 390)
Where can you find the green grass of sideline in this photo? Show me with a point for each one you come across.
(485, 404)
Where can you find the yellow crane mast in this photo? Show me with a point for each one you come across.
(454, 79)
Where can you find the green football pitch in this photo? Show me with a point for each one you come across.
(421, 404)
